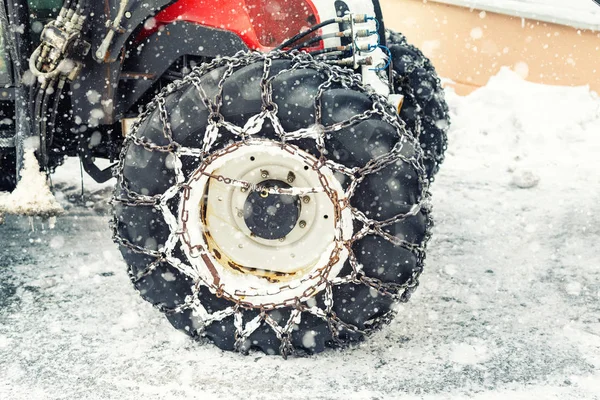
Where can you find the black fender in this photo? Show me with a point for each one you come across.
(122, 83)
(147, 62)
(94, 98)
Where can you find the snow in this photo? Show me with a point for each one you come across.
(583, 14)
(508, 308)
(32, 195)
(525, 179)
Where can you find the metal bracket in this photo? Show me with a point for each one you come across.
(97, 174)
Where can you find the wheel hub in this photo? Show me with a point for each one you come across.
(271, 216)
(263, 224)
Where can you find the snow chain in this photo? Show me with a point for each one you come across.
(335, 75)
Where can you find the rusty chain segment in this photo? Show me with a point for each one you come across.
(335, 75)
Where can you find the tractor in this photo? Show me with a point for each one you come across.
(273, 158)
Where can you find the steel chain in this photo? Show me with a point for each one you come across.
(335, 75)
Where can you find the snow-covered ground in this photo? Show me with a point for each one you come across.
(509, 307)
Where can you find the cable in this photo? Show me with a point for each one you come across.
(306, 33)
(83, 6)
(342, 49)
(67, 4)
(389, 60)
(362, 33)
(358, 18)
(371, 48)
(55, 105)
(43, 117)
(332, 56)
(47, 90)
(36, 127)
(376, 23)
(315, 39)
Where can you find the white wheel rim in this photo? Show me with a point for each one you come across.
(254, 271)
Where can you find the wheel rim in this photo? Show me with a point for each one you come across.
(239, 264)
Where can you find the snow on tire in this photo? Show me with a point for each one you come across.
(272, 202)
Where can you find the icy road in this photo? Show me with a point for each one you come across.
(508, 308)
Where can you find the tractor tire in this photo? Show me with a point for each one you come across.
(219, 214)
(424, 111)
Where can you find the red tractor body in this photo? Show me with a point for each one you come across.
(262, 24)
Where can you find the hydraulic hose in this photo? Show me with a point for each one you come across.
(361, 33)
(44, 125)
(307, 32)
(359, 18)
(57, 98)
(44, 93)
(349, 48)
(315, 40)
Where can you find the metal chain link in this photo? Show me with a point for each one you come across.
(216, 121)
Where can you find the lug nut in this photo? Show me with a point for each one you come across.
(306, 199)
(302, 224)
(264, 173)
(291, 177)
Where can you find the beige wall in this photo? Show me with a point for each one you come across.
(469, 46)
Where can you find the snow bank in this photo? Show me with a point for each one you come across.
(526, 128)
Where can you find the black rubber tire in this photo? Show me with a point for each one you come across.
(425, 111)
(8, 171)
(144, 172)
